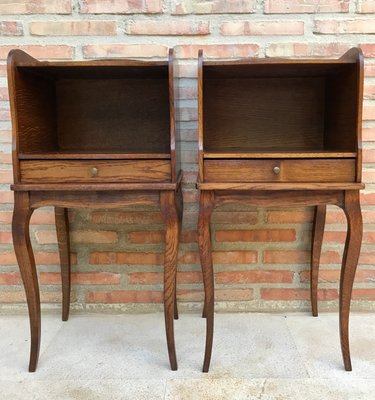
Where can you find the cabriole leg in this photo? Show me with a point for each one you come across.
(316, 249)
(25, 258)
(170, 215)
(206, 206)
(352, 249)
(62, 230)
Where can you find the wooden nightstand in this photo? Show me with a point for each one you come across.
(285, 133)
(93, 134)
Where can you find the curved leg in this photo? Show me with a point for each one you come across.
(352, 249)
(25, 258)
(180, 213)
(316, 249)
(170, 215)
(206, 206)
(62, 230)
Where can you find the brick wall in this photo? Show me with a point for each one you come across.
(261, 256)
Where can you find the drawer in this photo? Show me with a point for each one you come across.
(277, 170)
(39, 171)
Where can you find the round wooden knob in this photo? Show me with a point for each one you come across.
(94, 171)
(276, 170)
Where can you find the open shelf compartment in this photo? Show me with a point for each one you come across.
(92, 110)
(280, 108)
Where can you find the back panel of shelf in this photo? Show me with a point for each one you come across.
(94, 110)
(280, 107)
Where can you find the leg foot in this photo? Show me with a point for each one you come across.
(316, 249)
(206, 206)
(25, 258)
(352, 249)
(169, 212)
(62, 230)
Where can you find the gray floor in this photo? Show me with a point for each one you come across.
(255, 356)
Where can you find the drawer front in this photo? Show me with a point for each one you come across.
(41, 171)
(313, 170)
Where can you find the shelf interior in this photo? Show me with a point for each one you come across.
(280, 108)
(93, 110)
(82, 155)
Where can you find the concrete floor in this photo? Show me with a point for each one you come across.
(255, 356)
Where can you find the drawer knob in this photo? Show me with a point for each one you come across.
(94, 171)
(276, 170)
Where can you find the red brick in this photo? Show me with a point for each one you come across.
(307, 49)
(82, 278)
(369, 70)
(12, 297)
(186, 71)
(297, 294)
(217, 50)
(331, 257)
(234, 257)
(5, 136)
(171, 28)
(366, 6)
(190, 295)
(46, 237)
(286, 257)
(187, 114)
(344, 26)
(73, 28)
(188, 257)
(235, 217)
(4, 112)
(146, 237)
(36, 7)
(368, 134)
(255, 276)
(369, 237)
(190, 196)
(3, 69)
(152, 278)
(126, 217)
(189, 237)
(109, 257)
(6, 197)
(187, 93)
(212, 7)
(369, 112)
(289, 217)
(363, 294)
(368, 176)
(369, 91)
(125, 296)
(56, 52)
(248, 28)
(6, 217)
(305, 6)
(6, 177)
(335, 217)
(6, 237)
(5, 158)
(121, 6)
(10, 278)
(11, 28)
(41, 217)
(7, 258)
(368, 155)
(368, 199)
(233, 294)
(93, 236)
(368, 49)
(333, 275)
(335, 237)
(367, 258)
(124, 50)
(258, 235)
